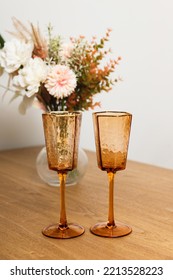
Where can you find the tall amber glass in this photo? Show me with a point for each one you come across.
(62, 131)
(112, 132)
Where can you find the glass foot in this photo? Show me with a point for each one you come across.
(54, 231)
(102, 229)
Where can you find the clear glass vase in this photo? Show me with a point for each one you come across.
(50, 177)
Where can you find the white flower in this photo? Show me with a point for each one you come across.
(30, 77)
(66, 51)
(61, 81)
(15, 54)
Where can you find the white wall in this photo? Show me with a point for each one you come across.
(143, 36)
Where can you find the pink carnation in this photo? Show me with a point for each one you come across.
(61, 81)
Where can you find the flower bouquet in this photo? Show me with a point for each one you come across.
(55, 75)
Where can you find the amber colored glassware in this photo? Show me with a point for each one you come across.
(112, 132)
(62, 131)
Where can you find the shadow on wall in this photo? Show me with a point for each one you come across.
(20, 130)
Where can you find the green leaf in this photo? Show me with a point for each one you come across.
(1, 42)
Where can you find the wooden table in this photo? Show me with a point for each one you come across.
(143, 199)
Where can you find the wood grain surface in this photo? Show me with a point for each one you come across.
(143, 199)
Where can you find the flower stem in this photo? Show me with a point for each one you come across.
(7, 88)
(62, 104)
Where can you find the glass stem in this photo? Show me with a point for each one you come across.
(63, 219)
(111, 221)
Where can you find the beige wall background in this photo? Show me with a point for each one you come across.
(142, 35)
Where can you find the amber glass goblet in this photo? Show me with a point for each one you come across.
(62, 130)
(112, 132)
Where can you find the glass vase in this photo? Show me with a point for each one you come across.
(50, 176)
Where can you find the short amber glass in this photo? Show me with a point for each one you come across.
(112, 132)
(62, 131)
